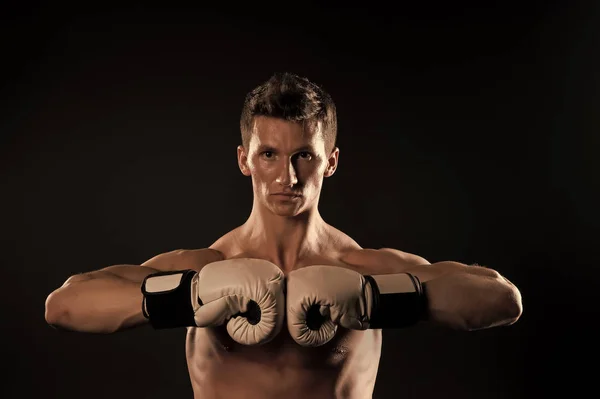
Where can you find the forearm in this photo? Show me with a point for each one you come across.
(468, 297)
(103, 301)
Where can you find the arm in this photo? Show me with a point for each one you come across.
(110, 299)
(461, 296)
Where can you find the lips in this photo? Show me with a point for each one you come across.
(287, 194)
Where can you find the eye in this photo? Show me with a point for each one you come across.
(305, 155)
(267, 154)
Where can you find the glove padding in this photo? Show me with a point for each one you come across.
(245, 294)
(231, 287)
(319, 298)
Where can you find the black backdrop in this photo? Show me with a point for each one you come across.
(467, 133)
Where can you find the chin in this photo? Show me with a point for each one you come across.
(286, 211)
(290, 212)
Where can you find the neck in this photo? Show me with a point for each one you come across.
(283, 239)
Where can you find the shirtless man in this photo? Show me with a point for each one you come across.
(247, 298)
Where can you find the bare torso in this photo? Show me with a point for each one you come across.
(346, 367)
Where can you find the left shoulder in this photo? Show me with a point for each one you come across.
(405, 257)
(383, 260)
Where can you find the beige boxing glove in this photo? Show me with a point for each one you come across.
(245, 294)
(321, 298)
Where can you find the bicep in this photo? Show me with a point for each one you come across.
(425, 270)
(173, 260)
(179, 259)
(439, 269)
(134, 273)
(184, 259)
(405, 258)
(165, 261)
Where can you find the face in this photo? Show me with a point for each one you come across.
(287, 162)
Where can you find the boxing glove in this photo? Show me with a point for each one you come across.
(245, 294)
(321, 298)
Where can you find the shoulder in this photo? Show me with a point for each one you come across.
(229, 244)
(369, 260)
(181, 259)
(339, 242)
(383, 260)
(406, 257)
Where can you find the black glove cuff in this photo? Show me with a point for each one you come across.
(170, 308)
(397, 310)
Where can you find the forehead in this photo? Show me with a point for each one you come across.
(278, 132)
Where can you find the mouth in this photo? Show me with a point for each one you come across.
(287, 195)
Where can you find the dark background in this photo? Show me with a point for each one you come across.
(467, 133)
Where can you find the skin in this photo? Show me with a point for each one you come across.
(286, 157)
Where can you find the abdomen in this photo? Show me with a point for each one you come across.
(346, 367)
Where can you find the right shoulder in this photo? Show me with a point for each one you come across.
(182, 259)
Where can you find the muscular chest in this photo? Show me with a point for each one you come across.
(333, 259)
(215, 343)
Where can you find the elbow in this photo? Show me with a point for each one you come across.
(59, 304)
(503, 309)
(506, 306)
(56, 311)
(512, 305)
(64, 314)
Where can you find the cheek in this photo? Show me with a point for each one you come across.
(312, 174)
(261, 175)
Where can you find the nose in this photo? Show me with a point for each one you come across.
(287, 175)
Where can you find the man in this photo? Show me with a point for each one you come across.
(285, 305)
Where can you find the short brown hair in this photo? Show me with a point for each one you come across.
(293, 98)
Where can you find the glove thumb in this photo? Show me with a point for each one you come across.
(217, 312)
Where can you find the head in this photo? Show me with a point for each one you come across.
(289, 129)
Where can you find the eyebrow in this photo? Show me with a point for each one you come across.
(265, 147)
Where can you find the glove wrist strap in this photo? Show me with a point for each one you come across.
(168, 301)
(398, 300)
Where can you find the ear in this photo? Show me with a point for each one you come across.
(242, 158)
(332, 162)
